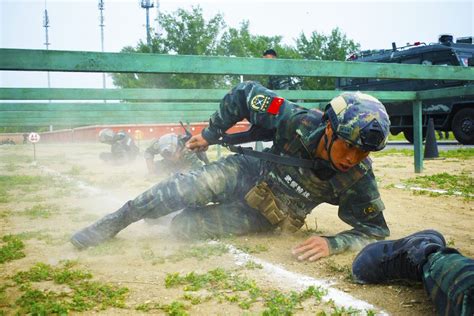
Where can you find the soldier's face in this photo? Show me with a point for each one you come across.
(344, 155)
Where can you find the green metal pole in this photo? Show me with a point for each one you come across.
(417, 135)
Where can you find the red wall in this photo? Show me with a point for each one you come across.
(138, 132)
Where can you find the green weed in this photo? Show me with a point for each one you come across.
(11, 167)
(40, 211)
(4, 213)
(198, 252)
(451, 243)
(75, 170)
(252, 249)
(393, 152)
(21, 182)
(12, 249)
(463, 182)
(226, 286)
(82, 294)
(174, 309)
(15, 158)
(346, 271)
(252, 265)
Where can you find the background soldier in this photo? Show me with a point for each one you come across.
(175, 156)
(123, 148)
(314, 159)
(281, 82)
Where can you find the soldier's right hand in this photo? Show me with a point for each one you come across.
(197, 143)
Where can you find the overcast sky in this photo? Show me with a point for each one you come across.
(74, 25)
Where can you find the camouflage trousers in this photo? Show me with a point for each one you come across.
(211, 197)
(448, 277)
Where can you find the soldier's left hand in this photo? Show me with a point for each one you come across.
(312, 249)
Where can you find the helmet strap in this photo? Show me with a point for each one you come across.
(328, 147)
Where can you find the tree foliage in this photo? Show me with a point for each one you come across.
(188, 33)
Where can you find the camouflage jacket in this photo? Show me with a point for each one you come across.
(123, 145)
(296, 132)
(188, 159)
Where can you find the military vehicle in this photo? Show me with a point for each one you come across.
(454, 114)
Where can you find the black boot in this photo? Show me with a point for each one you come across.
(105, 228)
(396, 259)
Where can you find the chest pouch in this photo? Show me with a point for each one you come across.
(261, 198)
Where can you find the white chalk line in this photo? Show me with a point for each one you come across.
(287, 278)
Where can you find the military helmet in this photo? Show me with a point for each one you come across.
(168, 145)
(359, 119)
(106, 135)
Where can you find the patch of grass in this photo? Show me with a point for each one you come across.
(12, 248)
(450, 243)
(40, 211)
(463, 182)
(233, 288)
(44, 236)
(464, 153)
(75, 170)
(4, 213)
(343, 311)
(15, 158)
(11, 167)
(32, 198)
(81, 294)
(175, 308)
(393, 152)
(21, 182)
(198, 252)
(252, 265)
(345, 270)
(252, 249)
(111, 247)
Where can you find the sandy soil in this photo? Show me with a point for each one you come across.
(82, 188)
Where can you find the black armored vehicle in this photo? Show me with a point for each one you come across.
(454, 114)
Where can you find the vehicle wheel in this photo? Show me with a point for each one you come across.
(408, 133)
(463, 126)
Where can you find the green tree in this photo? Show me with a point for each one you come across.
(240, 42)
(318, 46)
(184, 33)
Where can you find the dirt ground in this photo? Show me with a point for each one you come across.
(82, 189)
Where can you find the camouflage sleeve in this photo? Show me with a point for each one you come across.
(152, 150)
(192, 160)
(251, 101)
(361, 207)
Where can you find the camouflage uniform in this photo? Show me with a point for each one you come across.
(187, 159)
(123, 148)
(283, 83)
(448, 278)
(296, 132)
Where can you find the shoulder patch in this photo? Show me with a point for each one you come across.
(263, 103)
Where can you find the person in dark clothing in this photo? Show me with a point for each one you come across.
(123, 148)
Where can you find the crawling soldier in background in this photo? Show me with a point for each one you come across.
(123, 148)
(175, 156)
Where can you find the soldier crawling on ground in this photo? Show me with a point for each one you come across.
(175, 156)
(316, 157)
(123, 148)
